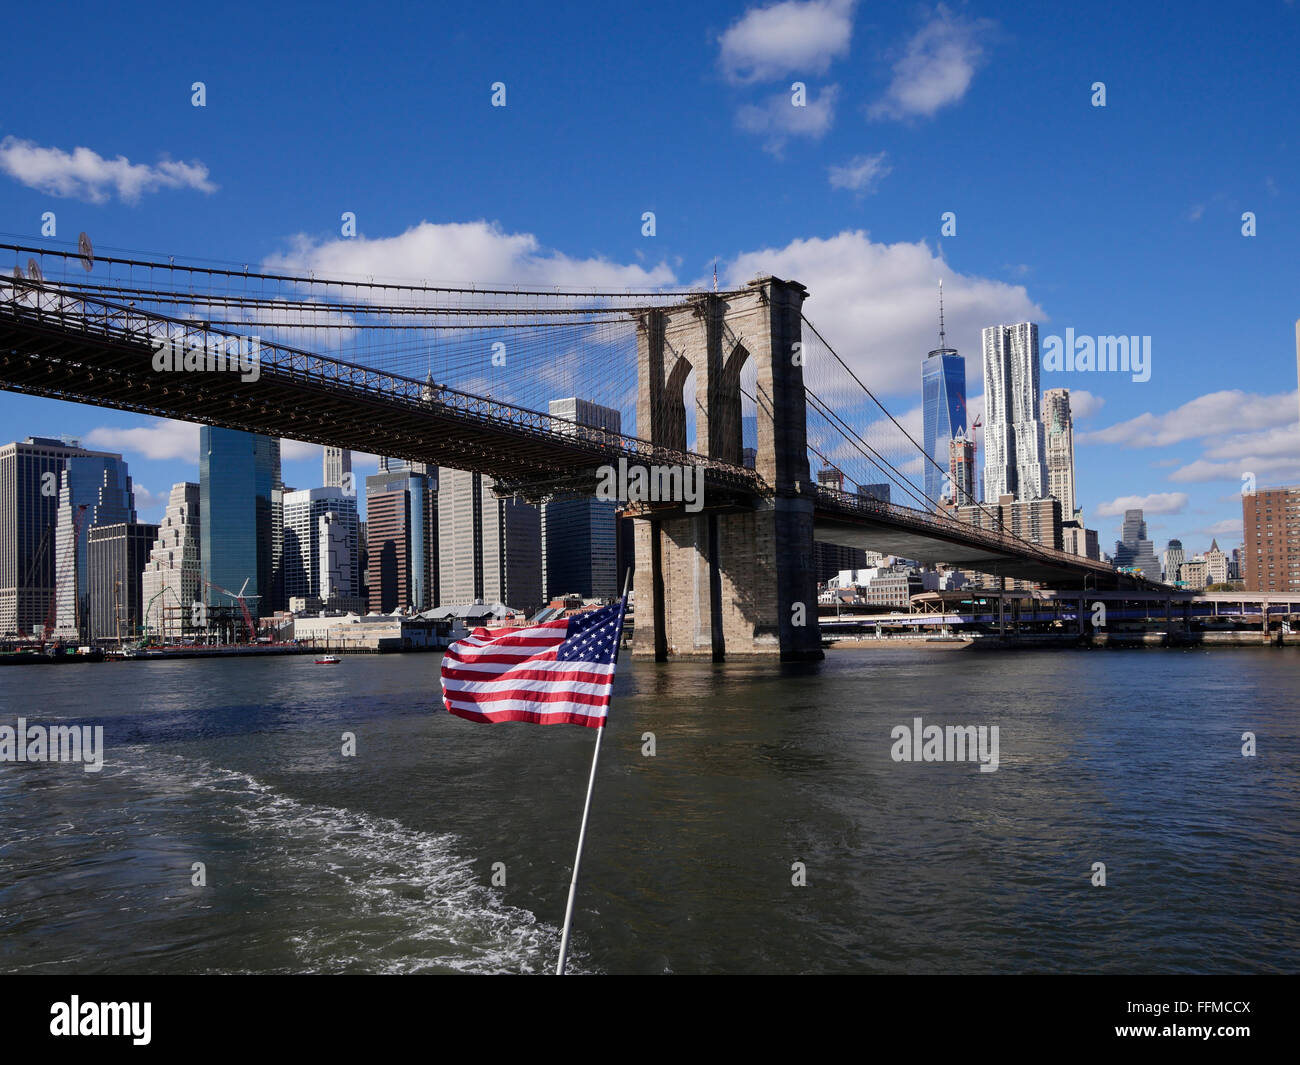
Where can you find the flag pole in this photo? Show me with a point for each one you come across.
(586, 809)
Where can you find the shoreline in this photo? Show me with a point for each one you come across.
(1103, 641)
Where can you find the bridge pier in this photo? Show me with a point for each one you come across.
(733, 579)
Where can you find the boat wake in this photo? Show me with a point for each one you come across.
(354, 892)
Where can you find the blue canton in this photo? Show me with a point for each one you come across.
(593, 636)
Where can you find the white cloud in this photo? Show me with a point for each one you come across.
(778, 119)
(161, 438)
(164, 439)
(86, 175)
(1158, 503)
(1281, 441)
(1267, 455)
(936, 68)
(861, 174)
(146, 500)
(325, 334)
(1269, 448)
(1217, 414)
(299, 451)
(1277, 468)
(462, 253)
(787, 38)
(878, 304)
(1084, 404)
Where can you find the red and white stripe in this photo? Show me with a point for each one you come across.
(515, 677)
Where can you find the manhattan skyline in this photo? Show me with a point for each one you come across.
(1124, 219)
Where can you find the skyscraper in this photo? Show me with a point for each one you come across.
(239, 482)
(338, 463)
(116, 559)
(961, 471)
(1058, 426)
(1133, 548)
(1173, 560)
(1013, 429)
(490, 547)
(100, 485)
(337, 557)
(170, 585)
(943, 400)
(401, 548)
(31, 476)
(304, 568)
(579, 551)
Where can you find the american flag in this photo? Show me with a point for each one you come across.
(556, 673)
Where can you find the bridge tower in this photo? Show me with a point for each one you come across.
(732, 579)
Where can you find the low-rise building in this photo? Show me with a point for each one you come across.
(1194, 573)
(374, 632)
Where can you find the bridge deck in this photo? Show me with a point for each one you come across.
(857, 521)
(85, 350)
(97, 352)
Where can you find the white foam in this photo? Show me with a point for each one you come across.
(419, 904)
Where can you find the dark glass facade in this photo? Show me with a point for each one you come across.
(239, 481)
(943, 396)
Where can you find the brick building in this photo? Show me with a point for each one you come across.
(1271, 522)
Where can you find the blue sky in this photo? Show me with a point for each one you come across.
(1125, 219)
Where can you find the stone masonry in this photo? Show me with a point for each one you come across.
(728, 580)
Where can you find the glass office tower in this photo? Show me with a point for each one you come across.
(943, 392)
(239, 478)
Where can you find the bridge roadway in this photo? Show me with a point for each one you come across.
(102, 353)
(855, 521)
(94, 351)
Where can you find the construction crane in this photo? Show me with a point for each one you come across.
(240, 599)
(162, 610)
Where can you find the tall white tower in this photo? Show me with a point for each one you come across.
(1014, 447)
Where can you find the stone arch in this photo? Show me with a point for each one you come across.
(673, 414)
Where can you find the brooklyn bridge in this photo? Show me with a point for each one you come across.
(739, 383)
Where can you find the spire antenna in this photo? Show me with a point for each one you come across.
(942, 336)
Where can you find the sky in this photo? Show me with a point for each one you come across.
(1122, 219)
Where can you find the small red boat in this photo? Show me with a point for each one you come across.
(328, 660)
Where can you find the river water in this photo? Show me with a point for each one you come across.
(384, 861)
